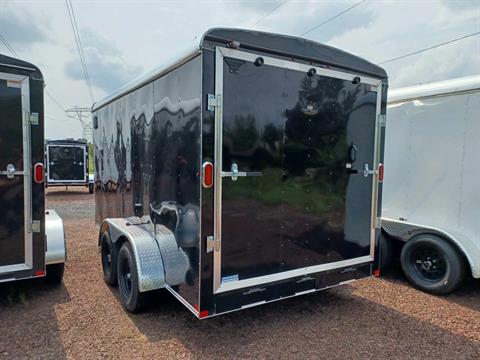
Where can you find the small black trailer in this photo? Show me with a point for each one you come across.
(68, 163)
(32, 242)
(245, 171)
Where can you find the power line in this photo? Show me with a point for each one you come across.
(428, 48)
(7, 45)
(333, 17)
(54, 100)
(78, 41)
(269, 12)
(86, 123)
(53, 119)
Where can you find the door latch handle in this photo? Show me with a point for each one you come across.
(11, 171)
(235, 174)
(367, 171)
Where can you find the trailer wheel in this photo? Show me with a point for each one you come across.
(130, 295)
(54, 274)
(90, 188)
(109, 259)
(432, 264)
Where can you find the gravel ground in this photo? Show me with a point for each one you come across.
(375, 318)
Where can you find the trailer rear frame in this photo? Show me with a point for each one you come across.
(25, 250)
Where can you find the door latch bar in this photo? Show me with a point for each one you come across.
(367, 171)
(235, 174)
(10, 172)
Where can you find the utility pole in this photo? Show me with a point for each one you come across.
(83, 115)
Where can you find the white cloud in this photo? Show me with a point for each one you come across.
(106, 66)
(19, 28)
(120, 38)
(443, 63)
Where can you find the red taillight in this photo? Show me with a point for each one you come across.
(38, 173)
(207, 174)
(380, 172)
(40, 273)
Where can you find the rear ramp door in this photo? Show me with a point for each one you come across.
(66, 163)
(15, 186)
(294, 197)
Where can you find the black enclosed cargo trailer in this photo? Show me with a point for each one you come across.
(68, 163)
(246, 171)
(31, 238)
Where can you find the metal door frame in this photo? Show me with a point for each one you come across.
(376, 85)
(26, 172)
(53, 181)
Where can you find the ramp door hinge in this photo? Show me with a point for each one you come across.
(35, 226)
(382, 120)
(213, 102)
(212, 244)
(33, 118)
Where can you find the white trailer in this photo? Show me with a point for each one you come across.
(431, 196)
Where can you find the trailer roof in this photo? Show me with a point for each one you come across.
(171, 63)
(292, 46)
(17, 65)
(439, 88)
(282, 45)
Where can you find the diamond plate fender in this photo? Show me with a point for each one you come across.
(159, 259)
(56, 248)
(175, 260)
(151, 273)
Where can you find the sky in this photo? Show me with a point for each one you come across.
(125, 39)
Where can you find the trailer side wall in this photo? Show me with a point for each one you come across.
(147, 160)
(430, 176)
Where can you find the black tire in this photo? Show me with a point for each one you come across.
(54, 274)
(109, 259)
(432, 264)
(385, 251)
(90, 188)
(130, 295)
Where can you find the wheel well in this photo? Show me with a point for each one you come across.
(117, 244)
(103, 228)
(448, 240)
(120, 241)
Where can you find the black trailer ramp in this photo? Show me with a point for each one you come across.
(296, 201)
(68, 163)
(12, 184)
